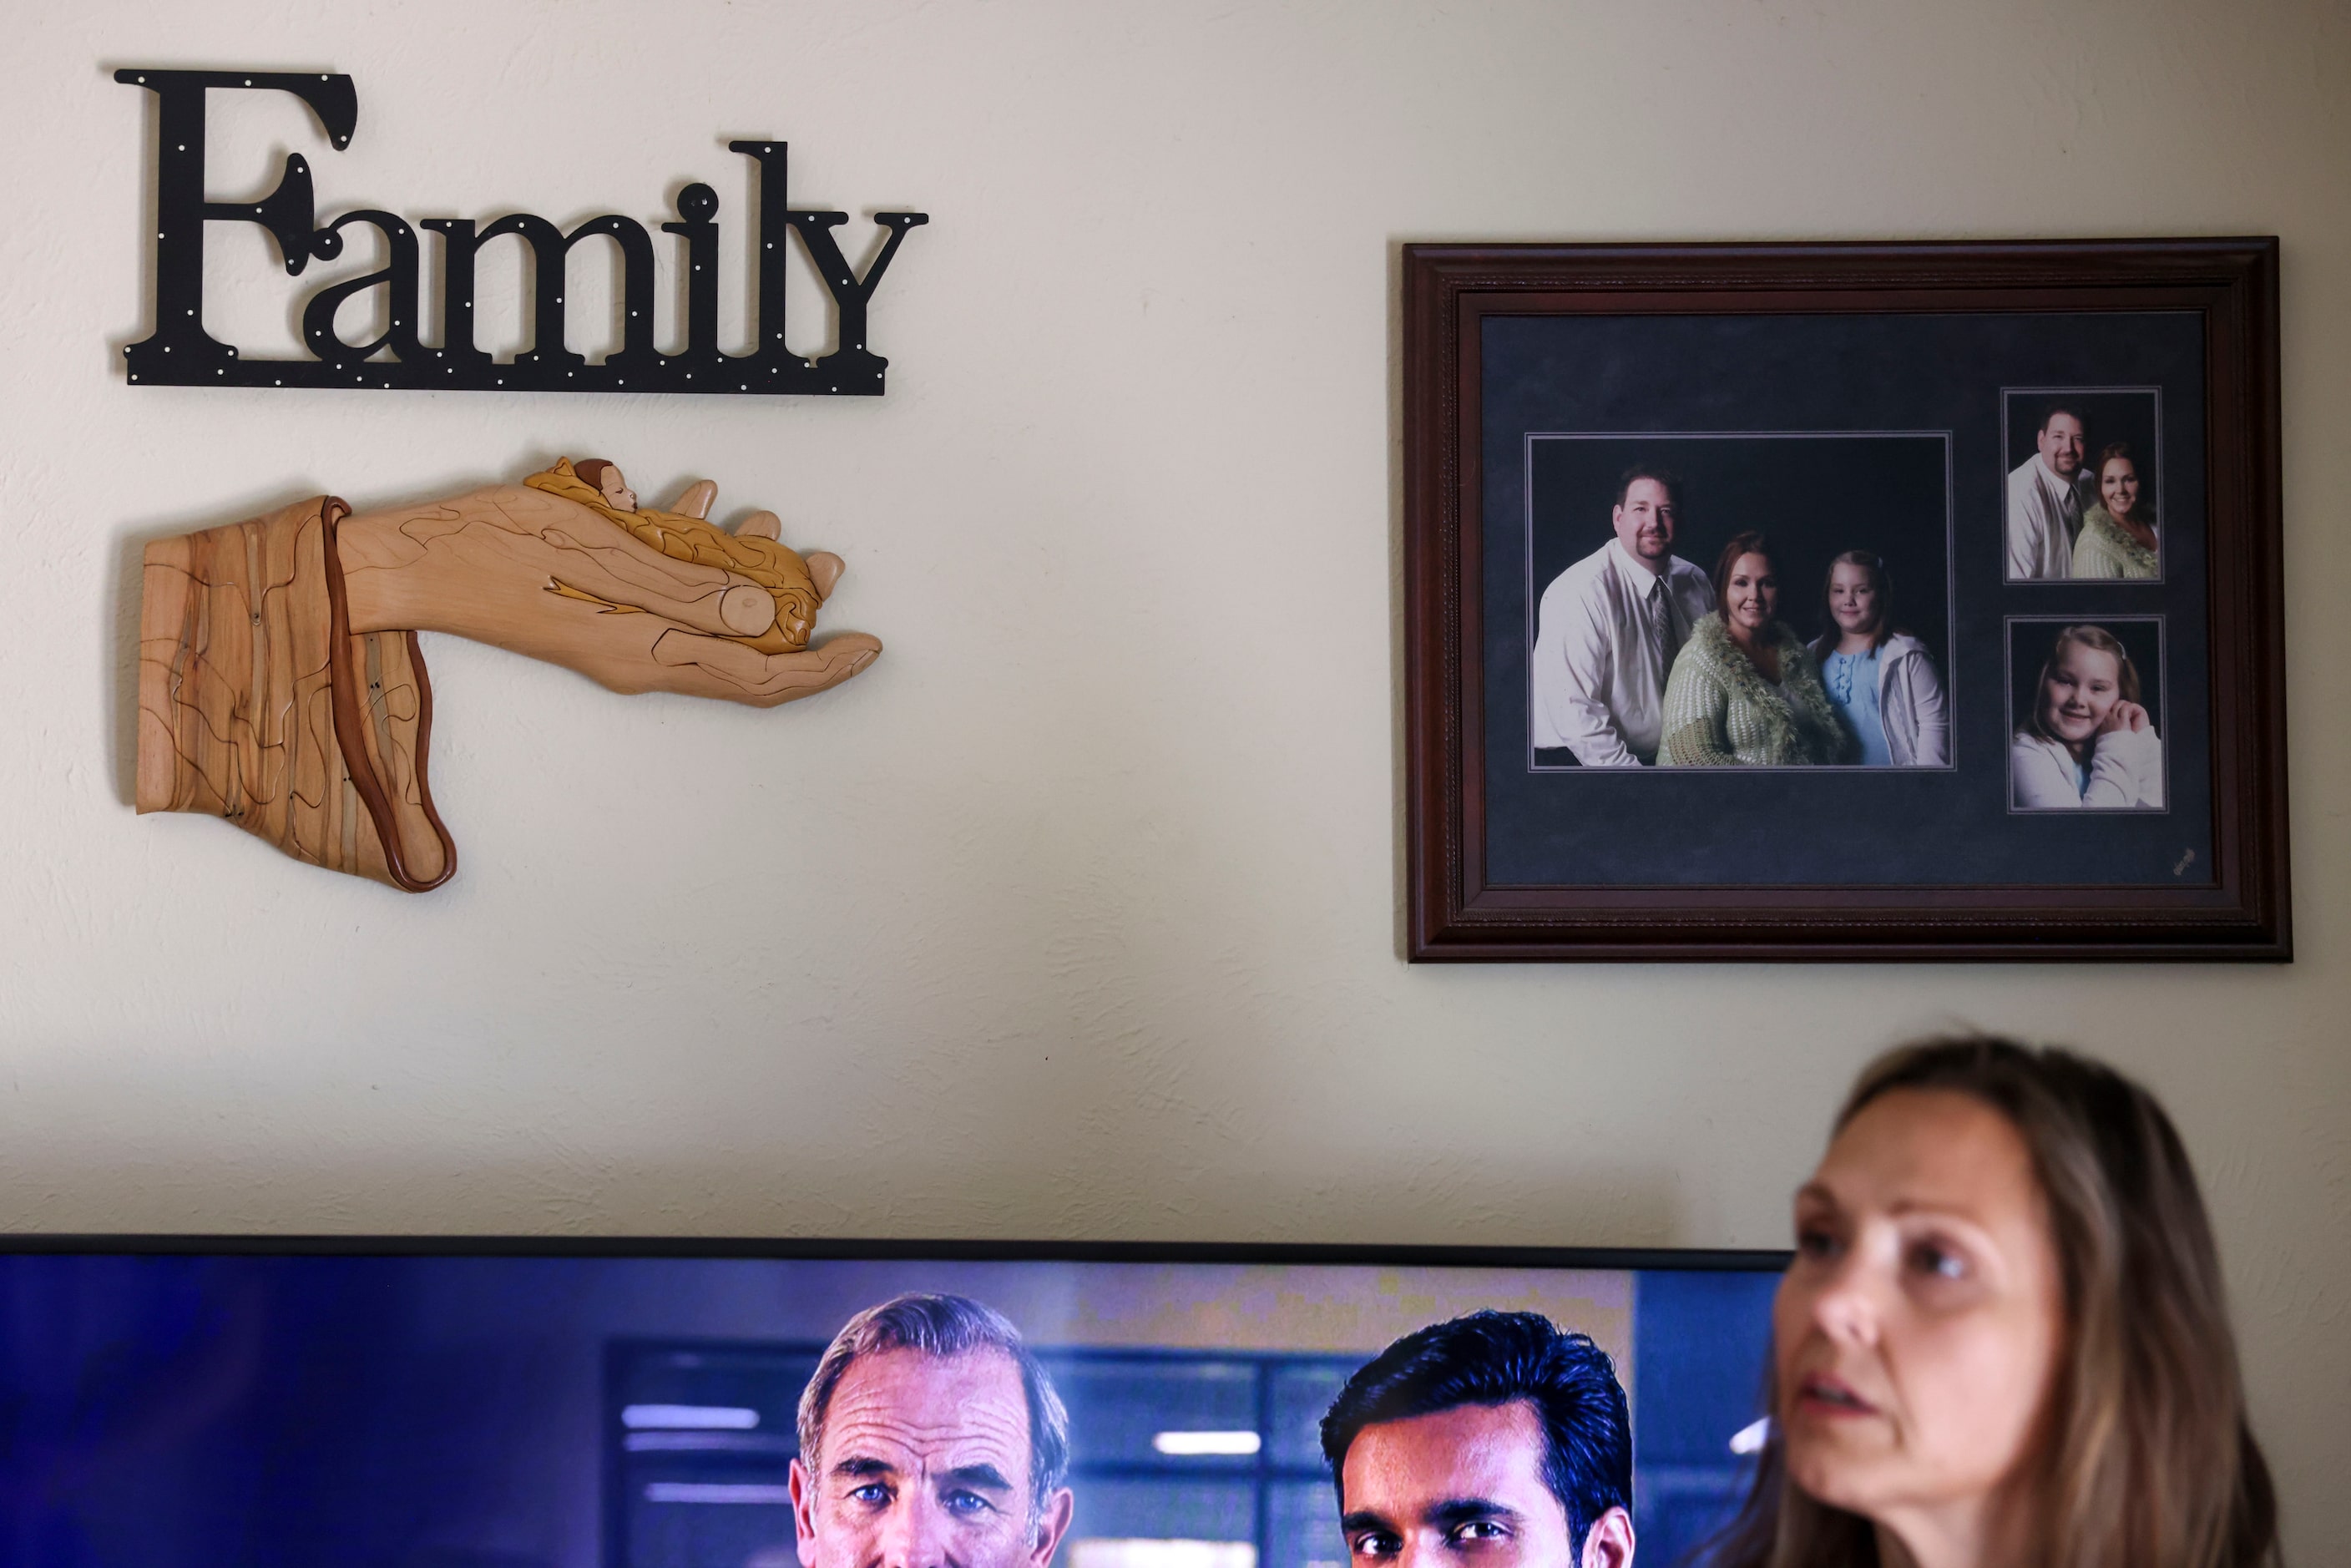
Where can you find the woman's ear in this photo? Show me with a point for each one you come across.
(825, 567)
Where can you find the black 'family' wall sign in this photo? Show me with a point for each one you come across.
(180, 352)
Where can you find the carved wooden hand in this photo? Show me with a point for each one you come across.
(281, 684)
(494, 564)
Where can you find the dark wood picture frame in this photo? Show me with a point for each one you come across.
(1456, 912)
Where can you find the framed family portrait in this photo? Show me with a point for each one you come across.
(1844, 601)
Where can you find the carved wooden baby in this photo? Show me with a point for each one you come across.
(281, 684)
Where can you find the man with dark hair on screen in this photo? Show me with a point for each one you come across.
(1492, 1441)
(2045, 499)
(930, 1436)
(1608, 629)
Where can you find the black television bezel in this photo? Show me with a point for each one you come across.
(966, 1249)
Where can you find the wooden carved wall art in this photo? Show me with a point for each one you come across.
(281, 684)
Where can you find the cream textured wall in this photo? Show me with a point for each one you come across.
(1076, 915)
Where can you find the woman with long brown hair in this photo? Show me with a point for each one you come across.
(2118, 538)
(2003, 1340)
(1744, 691)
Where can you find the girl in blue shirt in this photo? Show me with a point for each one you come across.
(1881, 681)
(1850, 667)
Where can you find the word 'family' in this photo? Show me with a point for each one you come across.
(182, 353)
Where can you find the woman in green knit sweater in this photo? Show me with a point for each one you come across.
(2118, 538)
(1745, 692)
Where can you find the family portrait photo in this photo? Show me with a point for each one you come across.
(1700, 607)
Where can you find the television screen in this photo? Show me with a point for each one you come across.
(463, 1405)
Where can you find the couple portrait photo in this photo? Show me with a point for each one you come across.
(2083, 484)
(1762, 600)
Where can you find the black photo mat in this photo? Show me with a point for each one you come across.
(1807, 426)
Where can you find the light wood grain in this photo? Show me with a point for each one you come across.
(256, 702)
(649, 601)
(281, 685)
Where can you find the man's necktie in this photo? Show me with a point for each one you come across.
(1661, 628)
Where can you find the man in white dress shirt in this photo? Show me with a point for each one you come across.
(1608, 629)
(2045, 500)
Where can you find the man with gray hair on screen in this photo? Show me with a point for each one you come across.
(930, 1438)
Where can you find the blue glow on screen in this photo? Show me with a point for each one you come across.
(296, 1411)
